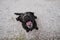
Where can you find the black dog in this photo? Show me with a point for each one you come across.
(28, 20)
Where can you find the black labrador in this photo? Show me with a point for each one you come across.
(28, 20)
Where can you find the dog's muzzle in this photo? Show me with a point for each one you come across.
(29, 24)
(28, 21)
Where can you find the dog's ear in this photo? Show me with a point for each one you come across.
(19, 18)
(32, 13)
(18, 13)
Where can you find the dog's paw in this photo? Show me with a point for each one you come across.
(27, 30)
(36, 28)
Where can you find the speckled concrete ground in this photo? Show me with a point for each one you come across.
(48, 21)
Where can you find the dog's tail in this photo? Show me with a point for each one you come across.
(17, 13)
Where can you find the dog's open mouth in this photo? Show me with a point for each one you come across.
(29, 24)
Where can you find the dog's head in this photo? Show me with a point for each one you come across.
(28, 18)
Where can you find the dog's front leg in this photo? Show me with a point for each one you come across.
(35, 25)
(27, 29)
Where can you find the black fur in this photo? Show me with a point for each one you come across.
(24, 17)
